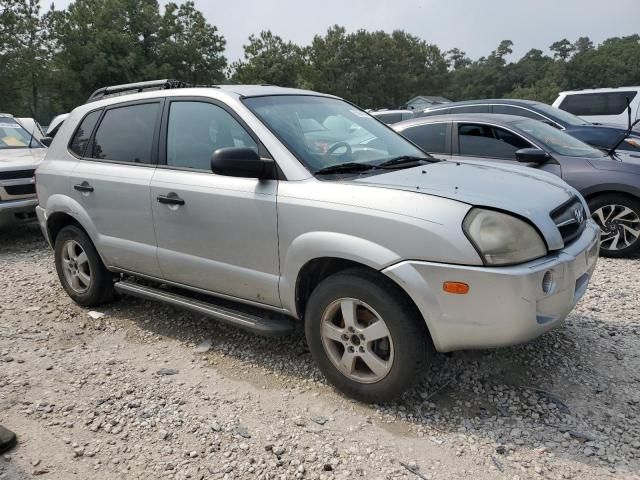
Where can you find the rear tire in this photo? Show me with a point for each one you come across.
(618, 217)
(80, 269)
(366, 336)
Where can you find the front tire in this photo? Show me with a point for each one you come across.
(365, 335)
(618, 217)
(80, 269)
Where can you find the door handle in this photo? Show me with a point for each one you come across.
(83, 187)
(171, 199)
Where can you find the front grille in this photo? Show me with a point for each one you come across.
(17, 174)
(570, 218)
(28, 189)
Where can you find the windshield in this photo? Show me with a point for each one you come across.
(13, 135)
(324, 132)
(560, 115)
(557, 141)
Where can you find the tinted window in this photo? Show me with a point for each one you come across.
(389, 118)
(488, 141)
(431, 138)
(610, 103)
(471, 109)
(197, 129)
(557, 141)
(125, 134)
(83, 133)
(520, 112)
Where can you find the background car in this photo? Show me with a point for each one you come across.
(610, 183)
(20, 154)
(602, 105)
(393, 116)
(600, 136)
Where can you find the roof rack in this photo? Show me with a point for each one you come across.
(128, 88)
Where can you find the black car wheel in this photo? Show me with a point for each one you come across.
(619, 219)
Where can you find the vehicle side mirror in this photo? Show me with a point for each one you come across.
(242, 162)
(46, 141)
(532, 155)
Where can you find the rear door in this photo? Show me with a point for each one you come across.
(486, 142)
(215, 232)
(111, 181)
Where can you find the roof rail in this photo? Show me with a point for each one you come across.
(137, 87)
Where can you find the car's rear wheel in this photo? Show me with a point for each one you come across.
(366, 336)
(618, 217)
(80, 269)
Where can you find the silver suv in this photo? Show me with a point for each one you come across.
(261, 206)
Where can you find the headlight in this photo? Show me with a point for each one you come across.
(502, 239)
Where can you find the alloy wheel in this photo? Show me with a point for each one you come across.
(357, 340)
(75, 266)
(620, 226)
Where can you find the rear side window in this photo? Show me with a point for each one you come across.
(431, 138)
(390, 118)
(487, 141)
(472, 109)
(605, 103)
(125, 134)
(518, 111)
(83, 133)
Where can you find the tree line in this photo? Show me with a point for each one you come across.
(52, 60)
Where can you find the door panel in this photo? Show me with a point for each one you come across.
(120, 208)
(223, 239)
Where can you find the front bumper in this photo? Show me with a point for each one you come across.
(505, 305)
(13, 212)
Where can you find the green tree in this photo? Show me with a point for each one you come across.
(562, 49)
(457, 59)
(583, 44)
(269, 59)
(191, 49)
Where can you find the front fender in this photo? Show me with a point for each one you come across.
(312, 245)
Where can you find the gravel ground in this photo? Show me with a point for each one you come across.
(151, 392)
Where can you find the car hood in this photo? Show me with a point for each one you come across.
(620, 161)
(21, 158)
(524, 191)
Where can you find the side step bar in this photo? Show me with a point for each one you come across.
(271, 325)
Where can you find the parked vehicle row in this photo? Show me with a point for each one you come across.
(599, 136)
(610, 182)
(261, 206)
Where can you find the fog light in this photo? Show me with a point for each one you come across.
(547, 282)
(458, 288)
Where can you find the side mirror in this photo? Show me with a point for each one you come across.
(532, 155)
(242, 162)
(46, 141)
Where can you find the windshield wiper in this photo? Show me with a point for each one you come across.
(404, 160)
(346, 168)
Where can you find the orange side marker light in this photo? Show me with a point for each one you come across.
(457, 288)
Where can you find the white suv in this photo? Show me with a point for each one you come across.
(602, 105)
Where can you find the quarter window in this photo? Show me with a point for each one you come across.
(83, 133)
(197, 129)
(125, 134)
(604, 103)
(431, 138)
(487, 141)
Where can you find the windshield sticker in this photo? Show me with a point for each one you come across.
(359, 113)
(10, 125)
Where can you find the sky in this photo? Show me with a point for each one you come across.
(476, 27)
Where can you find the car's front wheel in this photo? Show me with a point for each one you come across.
(366, 337)
(618, 217)
(80, 269)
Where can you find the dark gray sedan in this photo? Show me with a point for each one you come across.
(610, 183)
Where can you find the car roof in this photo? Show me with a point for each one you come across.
(484, 101)
(494, 118)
